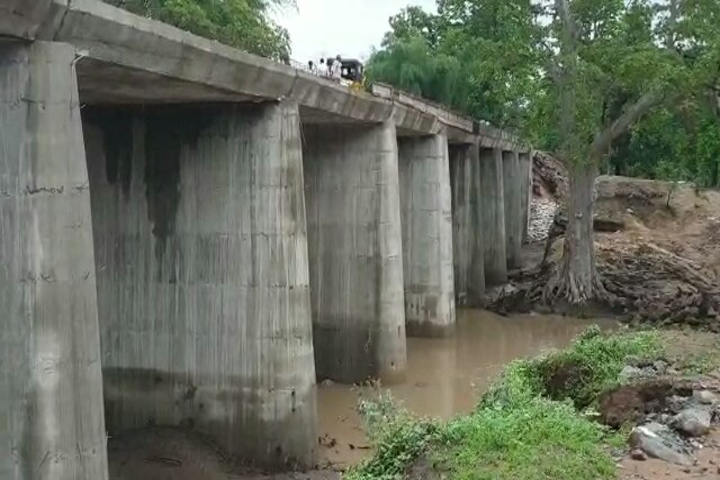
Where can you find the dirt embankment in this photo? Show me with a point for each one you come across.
(657, 247)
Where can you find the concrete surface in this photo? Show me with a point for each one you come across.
(468, 233)
(51, 410)
(426, 216)
(201, 250)
(130, 59)
(512, 186)
(493, 216)
(526, 186)
(355, 245)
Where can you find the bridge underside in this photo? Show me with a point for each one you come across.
(199, 257)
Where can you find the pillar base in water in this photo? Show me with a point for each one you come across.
(493, 216)
(468, 233)
(203, 275)
(426, 212)
(355, 245)
(51, 407)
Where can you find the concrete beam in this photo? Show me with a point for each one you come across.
(493, 216)
(526, 177)
(51, 410)
(426, 214)
(22, 18)
(468, 233)
(203, 275)
(355, 244)
(512, 185)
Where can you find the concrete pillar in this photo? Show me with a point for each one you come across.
(512, 185)
(469, 259)
(426, 215)
(493, 215)
(203, 275)
(355, 245)
(526, 186)
(51, 411)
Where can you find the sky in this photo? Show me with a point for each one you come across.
(322, 28)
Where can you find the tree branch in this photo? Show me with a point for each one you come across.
(644, 104)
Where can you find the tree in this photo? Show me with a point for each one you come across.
(605, 83)
(243, 24)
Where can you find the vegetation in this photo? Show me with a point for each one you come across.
(522, 428)
(625, 86)
(244, 24)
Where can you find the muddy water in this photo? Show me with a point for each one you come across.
(444, 376)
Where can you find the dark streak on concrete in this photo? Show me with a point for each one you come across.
(169, 129)
(116, 125)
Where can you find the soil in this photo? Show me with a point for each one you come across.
(657, 248)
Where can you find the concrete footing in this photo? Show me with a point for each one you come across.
(493, 216)
(426, 215)
(526, 177)
(203, 282)
(512, 185)
(51, 410)
(468, 235)
(355, 245)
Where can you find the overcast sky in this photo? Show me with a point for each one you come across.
(321, 28)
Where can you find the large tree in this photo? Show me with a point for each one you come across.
(611, 63)
(244, 24)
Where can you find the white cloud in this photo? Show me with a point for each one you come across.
(322, 28)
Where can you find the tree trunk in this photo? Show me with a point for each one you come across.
(576, 281)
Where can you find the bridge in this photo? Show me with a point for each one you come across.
(192, 236)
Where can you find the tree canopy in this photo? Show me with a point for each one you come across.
(498, 60)
(244, 24)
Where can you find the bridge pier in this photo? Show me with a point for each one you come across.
(512, 185)
(426, 212)
(493, 215)
(355, 246)
(468, 235)
(51, 411)
(202, 271)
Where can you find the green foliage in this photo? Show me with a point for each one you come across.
(518, 431)
(499, 60)
(242, 24)
(398, 438)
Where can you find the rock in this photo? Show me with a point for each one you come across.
(638, 455)
(660, 367)
(705, 397)
(629, 373)
(694, 421)
(658, 441)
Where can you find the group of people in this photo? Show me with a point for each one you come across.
(332, 68)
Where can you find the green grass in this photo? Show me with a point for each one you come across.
(523, 428)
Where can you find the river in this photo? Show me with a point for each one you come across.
(444, 376)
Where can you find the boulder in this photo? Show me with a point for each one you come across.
(658, 441)
(694, 421)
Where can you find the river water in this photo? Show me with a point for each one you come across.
(444, 376)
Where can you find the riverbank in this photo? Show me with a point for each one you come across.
(569, 415)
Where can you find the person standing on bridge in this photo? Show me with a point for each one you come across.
(336, 69)
(322, 69)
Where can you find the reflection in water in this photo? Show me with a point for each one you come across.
(444, 376)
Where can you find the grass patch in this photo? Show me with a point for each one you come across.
(528, 426)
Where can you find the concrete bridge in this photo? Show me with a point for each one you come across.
(191, 236)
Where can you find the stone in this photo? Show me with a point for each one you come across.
(705, 397)
(660, 367)
(658, 441)
(639, 455)
(694, 421)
